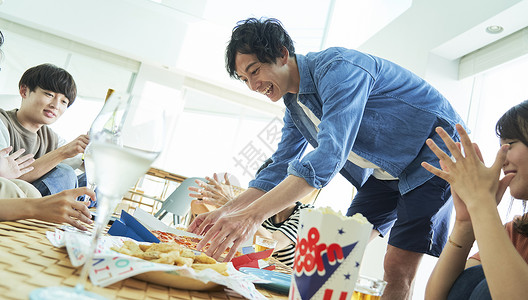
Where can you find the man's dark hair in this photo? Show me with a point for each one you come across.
(52, 78)
(262, 37)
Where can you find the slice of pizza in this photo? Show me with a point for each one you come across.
(186, 241)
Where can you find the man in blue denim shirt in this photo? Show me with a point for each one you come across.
(366, 118)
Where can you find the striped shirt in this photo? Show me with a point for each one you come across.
(289, 229)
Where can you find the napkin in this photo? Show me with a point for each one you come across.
(253, 260)
(128, 226)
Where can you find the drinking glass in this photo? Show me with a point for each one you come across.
(263, 244)
(368, 288)
(125, 138)
(89, 168)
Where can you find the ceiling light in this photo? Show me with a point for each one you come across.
(494, 29)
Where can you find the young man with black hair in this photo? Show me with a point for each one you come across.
(368, 119)
(21, 200)
(46, 91)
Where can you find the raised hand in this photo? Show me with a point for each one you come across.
(466, 173)
(226, 178)
(14, 165)
(213, 192)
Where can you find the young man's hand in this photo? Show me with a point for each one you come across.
(14, 165)
(76, 146)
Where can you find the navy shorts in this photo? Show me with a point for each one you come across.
(418, 221)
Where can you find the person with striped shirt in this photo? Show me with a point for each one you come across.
(285, 224)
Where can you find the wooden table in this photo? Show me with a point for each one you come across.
(28, 261)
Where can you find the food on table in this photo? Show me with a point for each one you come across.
(186, 241)
(167, 237)
(172, 254)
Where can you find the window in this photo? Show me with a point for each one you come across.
(495, 92)
(210, 135)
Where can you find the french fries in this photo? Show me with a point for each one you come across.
(171, 254)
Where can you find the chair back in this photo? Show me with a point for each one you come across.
(179, 201)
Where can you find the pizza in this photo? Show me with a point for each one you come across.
(186, 241)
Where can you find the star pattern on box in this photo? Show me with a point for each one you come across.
(327, 255)
(318, 261)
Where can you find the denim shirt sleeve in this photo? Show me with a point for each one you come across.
(291, 146)
(343, 88)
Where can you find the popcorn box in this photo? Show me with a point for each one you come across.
(328, 254)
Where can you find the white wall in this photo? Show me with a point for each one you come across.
(433, 24)
(442, 73)
(411, 37)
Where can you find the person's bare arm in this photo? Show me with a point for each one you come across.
(451, 262)
(50, 160)
(506, 271)
(62, 207)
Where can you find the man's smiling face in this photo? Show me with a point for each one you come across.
(270, 79)
(41, 107)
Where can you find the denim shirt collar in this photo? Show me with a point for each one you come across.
(306, 84)
(306, 87)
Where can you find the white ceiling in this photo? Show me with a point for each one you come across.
(189, 37)
(317, 24)
(448, 28)
(306, 27)
(168, 32)
(511, 19)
